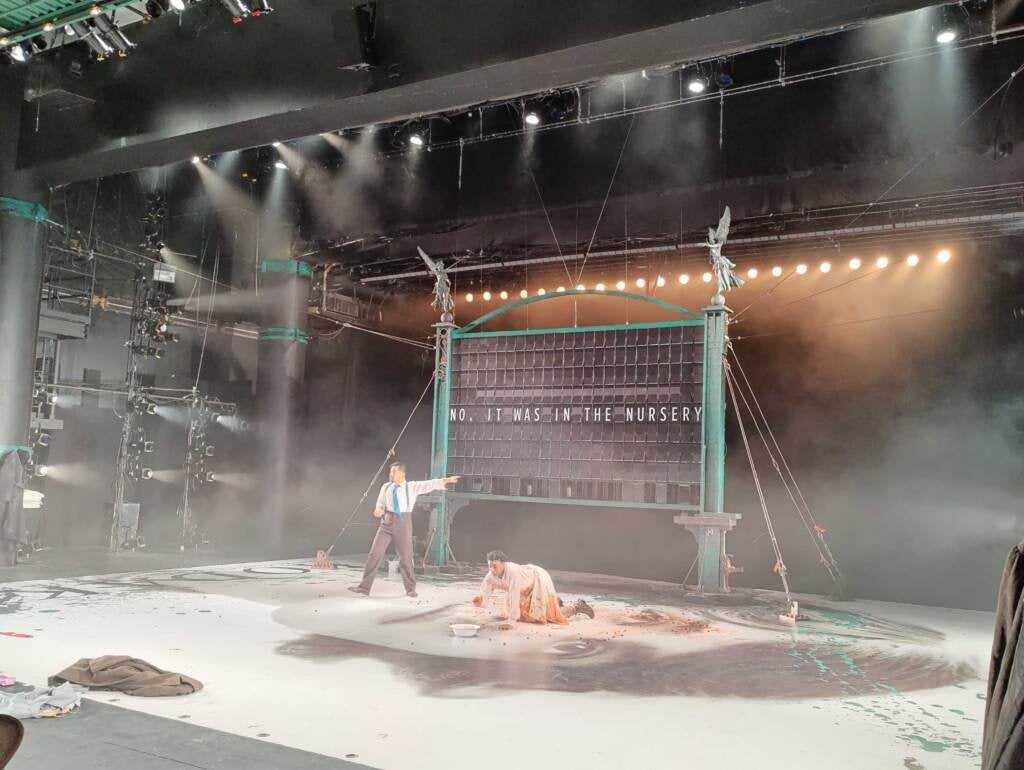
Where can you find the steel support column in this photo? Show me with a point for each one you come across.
(711, 540)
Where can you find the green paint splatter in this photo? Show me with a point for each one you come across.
(933, 746)
(957, 711)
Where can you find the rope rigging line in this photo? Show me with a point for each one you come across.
(814, 530)
(818, 292)
(551, 227)
(766, 293)
(780, 565)
(390, 454)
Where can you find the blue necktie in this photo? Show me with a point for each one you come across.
(396, 508)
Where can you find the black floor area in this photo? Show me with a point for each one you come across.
(99, 735)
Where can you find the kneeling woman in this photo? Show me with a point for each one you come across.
(531, 596)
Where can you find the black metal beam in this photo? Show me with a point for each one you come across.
(212, 89)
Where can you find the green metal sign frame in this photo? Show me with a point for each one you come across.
(713, 522)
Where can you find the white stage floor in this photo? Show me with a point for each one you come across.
(657, 680)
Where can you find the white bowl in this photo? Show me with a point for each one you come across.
(464, 629)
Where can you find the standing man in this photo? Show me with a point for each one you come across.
(394, 507)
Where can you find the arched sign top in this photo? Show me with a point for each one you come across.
(682, 311)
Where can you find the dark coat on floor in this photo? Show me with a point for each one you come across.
(1003, 745)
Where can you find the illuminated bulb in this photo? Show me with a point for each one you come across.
(178, 5)
(195, 159)
(801, 269)
(945, 36)
(752, 273)
(855, 264)
(621, 286)
(48, 27)
(882, 262)
(275, 144)
(706, 277)
(281, 165)
(504, 295)
(541, 292)
(600, 287)
(580, 287)
(532, 119)
(487, 296)
(696, 86)
(416, 140)
(684, 278)
(95, 10)
(524, 293)
(943, 256)
(660, 281)
(912, 260)
(776, 271)
(825, 267)
(560, 288)
(469, 297)
(640, 283)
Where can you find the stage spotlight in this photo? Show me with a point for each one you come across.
(95, 10)
(469, 296)
(106, 28)
(660, 281)
(706, 277)
(801, 269)
(532, 119)
(752, 273)
(146, 473)
(599, 287)
(503, 295)
(946, 35)
(912, 260)
(42, 470)
(541, 292)
(416, 140)
(260, 7)
(943, 256)
(684, 279)
(825, 267)
(487, 296)
(275, 143)
(210, 449)
(621, 286)
(281, 165)
(524, 293)
(724, 77)
(44, 439)
(148, 446)
(238, 10)
(211, 476)
(855, 264)
(150, 407)
(776, 271)
(48, 26)
(640, 283)
(18, 52)
(580, 287)
(882, 262)
(696, 85)
(178, 5)
(196, 159)
(560, 288)
(156, 8)
(51, 399)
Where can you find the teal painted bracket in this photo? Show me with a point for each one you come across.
(286, 266)
(286, 333)
(580, 293)
(6, 448)
(24, 209)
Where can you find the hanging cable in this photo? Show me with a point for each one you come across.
(780, 565)
(390, 454)
(814, 530)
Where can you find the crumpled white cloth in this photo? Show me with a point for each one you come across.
(40, 701)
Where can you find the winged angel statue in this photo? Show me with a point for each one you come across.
(724, 267)
(442, 288)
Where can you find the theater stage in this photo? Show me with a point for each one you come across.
(658, 679)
